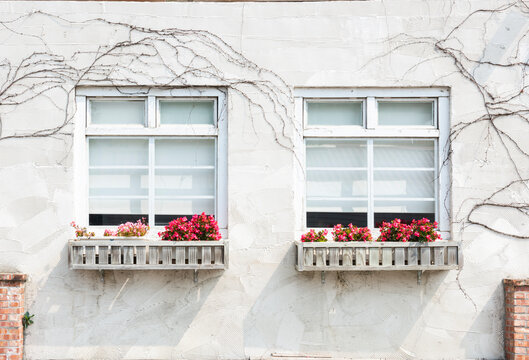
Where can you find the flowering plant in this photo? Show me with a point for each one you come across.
(313, 236)
(424, 231)
(418, 231)
(81, 231)
(139, 228)
(351, 233)
(395, 230)
(200, 227)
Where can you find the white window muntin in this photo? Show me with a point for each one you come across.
(439, 134)
(84, 130)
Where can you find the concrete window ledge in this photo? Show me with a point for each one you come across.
(140, 254)
(365, 256)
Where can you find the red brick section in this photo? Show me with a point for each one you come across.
(516, 335)
(11, 312)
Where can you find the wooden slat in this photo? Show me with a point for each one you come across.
(374, 256)
(77, 255)
(412, 256)
(308, 257)
(154, 255)
(399, 256)
(141, 255)
(425, 256)
(334, 256)
(387, 256)
(206, 255)
(347, 257)
(219, 259)
(103, 255)
(452, 255)
(439, 255)
(128, 255)
(192, 257)
(167, 255)
(180, 255)
(115, 255)
(90, 255)
(360, 257)
(321, 255)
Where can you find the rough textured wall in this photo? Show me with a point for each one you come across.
(261, 305)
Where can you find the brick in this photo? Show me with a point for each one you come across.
(522, 343)
(520, 323)
(521, 302)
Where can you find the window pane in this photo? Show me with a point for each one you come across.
(404, 184)
(116, 112)
(185, 152)
(328, 153)
(117, 211)
(167, 209)
(334, 113)
(118, 152)
(403, 153)
(187, 112)
(407, 113)
(185, 182)
(119, 182)
(336, 182)
(406, 210)
(184, 177)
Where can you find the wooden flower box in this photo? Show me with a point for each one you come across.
(141, 254)
(367, 256)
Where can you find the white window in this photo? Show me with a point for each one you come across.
(158, 156)
(373, 155)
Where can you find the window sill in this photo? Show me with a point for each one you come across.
(375, 256)
(145, 254)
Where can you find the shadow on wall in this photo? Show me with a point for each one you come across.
(487, 328)
(360, 314)
(89, 314)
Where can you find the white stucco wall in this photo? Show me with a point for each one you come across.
(261, 305)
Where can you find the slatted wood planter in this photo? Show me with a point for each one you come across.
(362, 256)
(107, 254)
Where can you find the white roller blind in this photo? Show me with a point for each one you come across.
(187, 112)
(406, 113)
(117, 112)
(334, 113)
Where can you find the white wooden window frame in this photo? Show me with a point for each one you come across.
(439, 132)
(152, 130)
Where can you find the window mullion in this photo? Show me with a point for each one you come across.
(371, 113)
(151, 181)
(370, 186)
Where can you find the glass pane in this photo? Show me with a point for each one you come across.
(336, 184)
(167, 210)
(325, 153)
(404, 184)
(185, 152)
(118, 152)
(187, 112)
(118, 182)
(405, 210)
(407, 113)
(185, 182)
(334, 113)
(117, 112)
(117, 211)
(327, 213)
(403, 153)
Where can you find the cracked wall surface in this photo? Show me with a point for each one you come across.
(261, 305)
